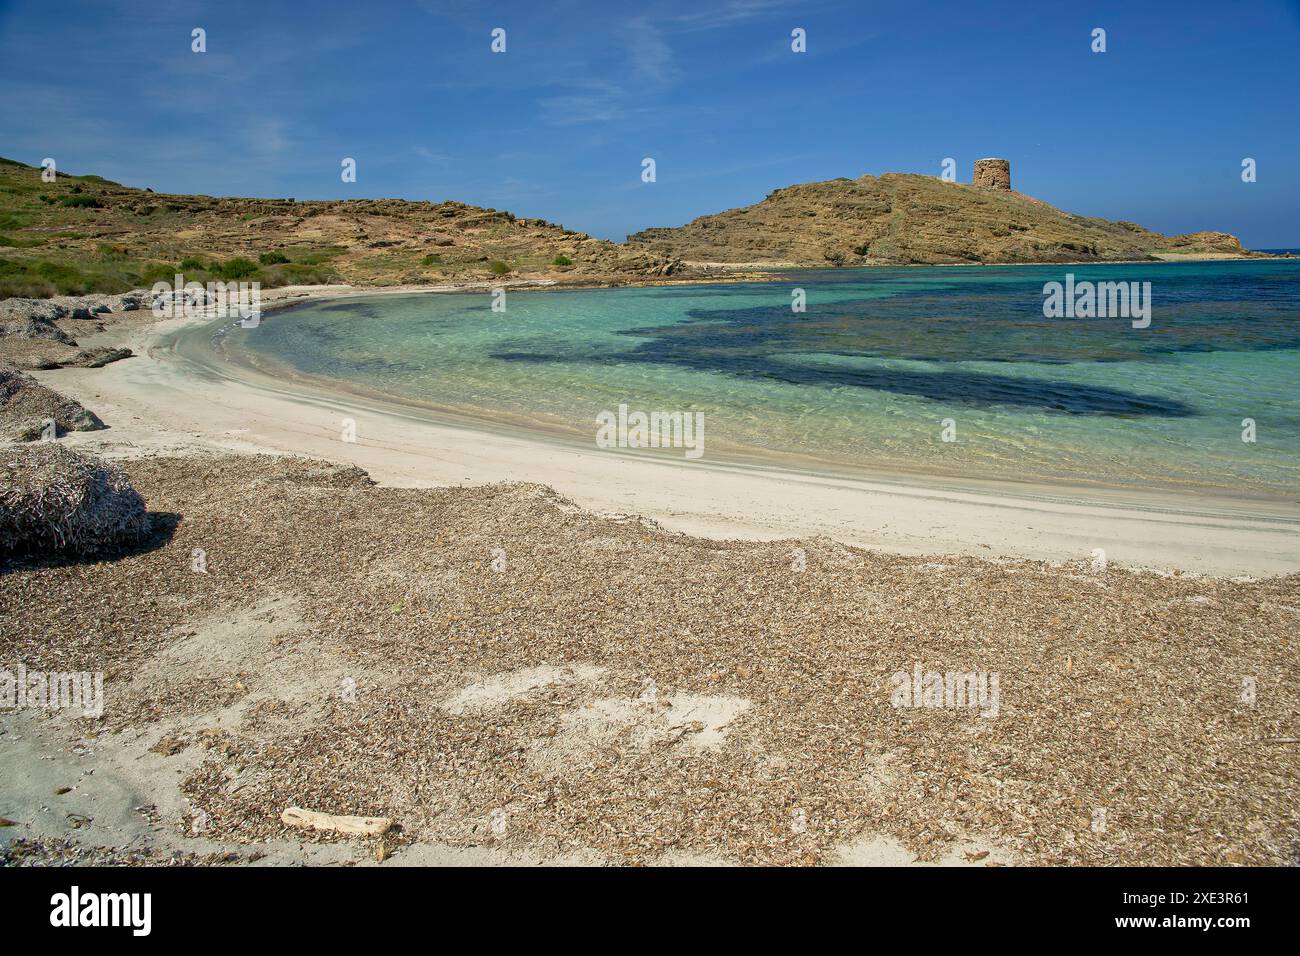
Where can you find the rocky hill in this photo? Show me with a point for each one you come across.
(83, 234)
(899, 218)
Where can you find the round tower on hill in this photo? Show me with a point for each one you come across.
(992, 173)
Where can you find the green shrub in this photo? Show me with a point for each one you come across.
(80, 202)
(236, 268)
(296, 273)
(498, 268)
(40, 278)
(432, 259)
(19, 278)
(160, 272)
(57, 271)
(192, 264)
(561, 261)
(272, 258)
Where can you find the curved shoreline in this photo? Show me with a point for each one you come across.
(209, 345)
(163, 402)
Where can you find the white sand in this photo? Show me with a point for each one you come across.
(159, 401)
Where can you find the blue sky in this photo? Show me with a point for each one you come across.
(1152, 130)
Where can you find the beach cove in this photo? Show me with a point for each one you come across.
(183, 392)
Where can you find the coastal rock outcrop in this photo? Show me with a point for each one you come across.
(27, 406)
(1207, 242)
(904, 219)
(39, 333)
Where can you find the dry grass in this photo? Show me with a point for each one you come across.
(57, 501)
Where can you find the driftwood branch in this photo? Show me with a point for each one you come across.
(355, 826)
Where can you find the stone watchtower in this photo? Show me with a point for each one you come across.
(992, 173)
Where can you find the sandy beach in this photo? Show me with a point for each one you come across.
(524, 650)
(164, 401)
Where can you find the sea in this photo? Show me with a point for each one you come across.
(946, 370)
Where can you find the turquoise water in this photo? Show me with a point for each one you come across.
(867, 375)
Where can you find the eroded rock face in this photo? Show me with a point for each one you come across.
(992, 174)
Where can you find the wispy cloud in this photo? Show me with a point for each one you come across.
(433, 156)
(719, 16)
(649, 53)
(646, 57)
(600, 103)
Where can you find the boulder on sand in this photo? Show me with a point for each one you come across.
(26, 405)
(57, 501)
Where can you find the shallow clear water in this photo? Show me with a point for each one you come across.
(867, 375)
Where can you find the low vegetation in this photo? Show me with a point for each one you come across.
(85, 234)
